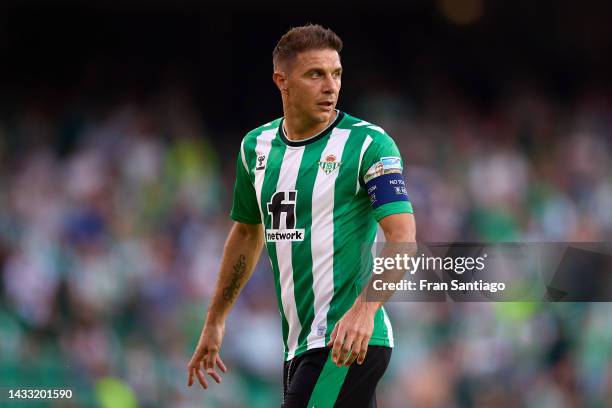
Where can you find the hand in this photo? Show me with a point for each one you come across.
(206, 355)
(352, 334)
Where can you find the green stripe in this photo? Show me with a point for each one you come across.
(249, 155)
(353, 220)
(344, 292)
(275, 159)
(328, 385)
(302, 251)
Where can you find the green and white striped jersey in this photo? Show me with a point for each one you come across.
(311, 197)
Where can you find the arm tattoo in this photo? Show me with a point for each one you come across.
(230, 292)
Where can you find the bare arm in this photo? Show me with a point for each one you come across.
(351, 335)
(399, 229)
(241, 253)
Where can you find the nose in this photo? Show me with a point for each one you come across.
(330, 85)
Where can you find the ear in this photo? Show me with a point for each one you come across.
(280, 79)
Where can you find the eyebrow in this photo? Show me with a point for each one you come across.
(316, 69)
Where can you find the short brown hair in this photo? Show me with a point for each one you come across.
(307, 37)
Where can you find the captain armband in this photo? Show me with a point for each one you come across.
(385, 183)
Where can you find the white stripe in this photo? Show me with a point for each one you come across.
(376, 128)
(364, 147)
(244, 163)
(262, 148)
(322, 238)
(389, 328)
(286, 181)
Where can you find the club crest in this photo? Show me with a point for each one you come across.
(329, 164)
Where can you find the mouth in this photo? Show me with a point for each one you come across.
(326, 104)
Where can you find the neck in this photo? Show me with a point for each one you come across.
(299, 128)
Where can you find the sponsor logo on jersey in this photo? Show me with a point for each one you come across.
(281, 209)
(321, 329)
(329, 164)
(261, 162)
(385, 165)
(274, 235)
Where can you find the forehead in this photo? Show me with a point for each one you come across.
(324, 58)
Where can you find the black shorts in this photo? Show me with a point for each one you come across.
(313, 380)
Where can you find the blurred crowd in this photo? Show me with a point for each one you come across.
(113, 219)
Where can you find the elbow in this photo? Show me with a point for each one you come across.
(400, 235)
(404, 240)
(399, 228)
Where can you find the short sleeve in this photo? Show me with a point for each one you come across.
(244, 207)
(381, 175)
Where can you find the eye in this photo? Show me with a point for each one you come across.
(315, 74)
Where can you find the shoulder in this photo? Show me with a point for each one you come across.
(374, 134)
(251, 136)
(249, 141)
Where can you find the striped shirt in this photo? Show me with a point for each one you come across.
(319, 219)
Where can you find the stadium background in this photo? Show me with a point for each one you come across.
(119, 127)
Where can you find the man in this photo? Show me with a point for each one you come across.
(311, 186)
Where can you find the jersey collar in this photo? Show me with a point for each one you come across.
(312, 139)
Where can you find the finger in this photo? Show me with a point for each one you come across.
(214, 375)
(209, 365)
(221, 365)
(351, 358)
(201, 378)
(355, 351)
(363, 351)
(189, 377)
(332, 337)
(336, 350)
(210, 368)
(347, 349)
(209, 360)
(352, 355)
(190, 367)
